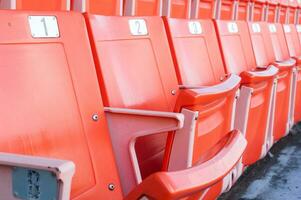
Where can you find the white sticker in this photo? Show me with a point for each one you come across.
(287, 28)
(232, 27)
(195, 27)
(256, 28)
(298, 28)
(43, 26)
(272, 28)
(138, 27)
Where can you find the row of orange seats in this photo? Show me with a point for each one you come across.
(283, 11)
(141, 106)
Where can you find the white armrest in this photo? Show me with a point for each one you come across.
(177, 116)
(125, 126)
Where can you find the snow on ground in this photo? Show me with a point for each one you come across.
(283, 180)
(273, 178)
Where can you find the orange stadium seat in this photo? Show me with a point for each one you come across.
(294, 47)
(136, 71)
(243, 11)
(286, 66)
(144, 7)
(272, 15)
(143, 99)
(282, 11)
(227, 10)
(264, 57)
(103, 7)
(206, 9)
(199, 63)
(298, 21)
(259, 10)
(180, 9)
(292, 12)
(203, 9)
(172, 8)
(257, 83)
(56, 102)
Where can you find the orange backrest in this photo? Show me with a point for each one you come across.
(207, 9)
(278, 42)
(292, 39)
(197, 56)
(299, 16)
(143, 7)
(180, 8)
(199, 63)
(262, 43)
(203, 9)
(283, 10)
(227, 9)
(236, 45)
(259, 9)
(243, 10)
(48, 98)
(272, 10)
(293, 9)
(44, 5)
(135, 70)
(101, 7)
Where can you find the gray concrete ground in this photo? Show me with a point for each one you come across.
(276, 177)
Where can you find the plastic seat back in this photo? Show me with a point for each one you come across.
(239, 57)
(283, 11)
(48, 99)
(259, 10)
(136, 71)
(293, 11)
(284, 91)
(101, 7)
(261, 43)
(199, 63)
(236, 46)
(180, 8)
(243, 10)
(204, 9)
(291, 32)
(292, 40)
(279, 45)
(272, 11)
(228, 10)
(37, 5)
(144, 7)
(190, 48)
(170, 8)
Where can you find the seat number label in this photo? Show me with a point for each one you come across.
(287, 28)
(195, 27)
(138, 27)
(232, 27)
(256, 28)
(43, 26)
(272, 28)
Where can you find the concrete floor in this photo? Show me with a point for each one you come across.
(276, 177)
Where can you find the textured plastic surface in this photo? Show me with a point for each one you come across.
(47, 106)
(239, 58)
(154, 87)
